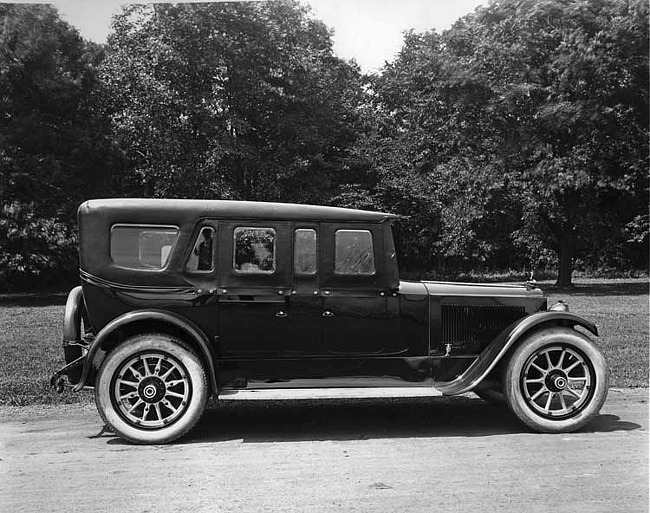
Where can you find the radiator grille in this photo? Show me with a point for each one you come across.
(477, 324)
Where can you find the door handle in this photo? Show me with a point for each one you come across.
(281, 314)
(328, 313)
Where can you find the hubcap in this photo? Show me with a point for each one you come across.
(151, 390)
(557, 382)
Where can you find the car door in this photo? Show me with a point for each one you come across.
(356, 302)
(254, 281)
(305, 303)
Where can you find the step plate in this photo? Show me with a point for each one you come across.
(325, 393)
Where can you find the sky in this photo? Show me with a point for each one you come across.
(369, 31)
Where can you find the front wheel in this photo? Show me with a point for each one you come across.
(152, 389)
(556, 381)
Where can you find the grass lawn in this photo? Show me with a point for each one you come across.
(30, 337)
(620, 310)
(30, 341)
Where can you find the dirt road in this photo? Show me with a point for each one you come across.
(406, 455)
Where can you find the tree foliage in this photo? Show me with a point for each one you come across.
(518, 138)
(229, 100)
(54, 151)
(35, 250)
(532, 111)
(52, 148)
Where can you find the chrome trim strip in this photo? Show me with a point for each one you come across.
(326, 393)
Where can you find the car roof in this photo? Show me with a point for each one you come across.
(224, 209)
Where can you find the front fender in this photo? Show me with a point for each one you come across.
(492, 354)
(169, 318)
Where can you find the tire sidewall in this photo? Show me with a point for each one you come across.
(158, 343)
(531, 345)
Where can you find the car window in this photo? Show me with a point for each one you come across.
(354, 254)
(142, 247)
(254, 250)
(304, 252)
(201, 257)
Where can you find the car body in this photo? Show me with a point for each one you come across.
(183, 299)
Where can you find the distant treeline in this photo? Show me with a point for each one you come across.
(518, 139)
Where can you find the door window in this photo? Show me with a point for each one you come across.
(254, 250)
(304, 252)
(354, 253)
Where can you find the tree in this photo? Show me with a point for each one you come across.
(430, 138)
(53, 152)
(530, 112)
(229, 100)
(568, 96)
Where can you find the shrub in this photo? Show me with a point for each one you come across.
(35, 251)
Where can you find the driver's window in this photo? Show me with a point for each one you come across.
(354, 253)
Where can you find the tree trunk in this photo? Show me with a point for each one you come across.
(440, 265)
(565, 270)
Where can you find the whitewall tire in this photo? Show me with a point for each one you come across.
(556, 380)
(151, 389)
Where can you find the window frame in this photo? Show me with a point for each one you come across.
(230, 282)
(359, 285)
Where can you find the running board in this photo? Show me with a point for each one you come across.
(279, 394)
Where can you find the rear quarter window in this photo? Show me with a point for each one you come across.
(142, 247)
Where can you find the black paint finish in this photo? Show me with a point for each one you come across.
(282, 329)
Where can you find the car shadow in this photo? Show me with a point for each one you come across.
(607, 423)
(354, 419)
(363, 419)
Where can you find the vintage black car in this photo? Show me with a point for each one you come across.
(183, 299)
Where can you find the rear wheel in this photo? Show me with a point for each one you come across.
(152, 389)
(556, 381)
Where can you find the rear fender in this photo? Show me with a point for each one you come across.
(199, 339)
(495, 352)
(74, 346)
(72, 318)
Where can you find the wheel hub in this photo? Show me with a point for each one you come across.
(556, 381)
(151, 389)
